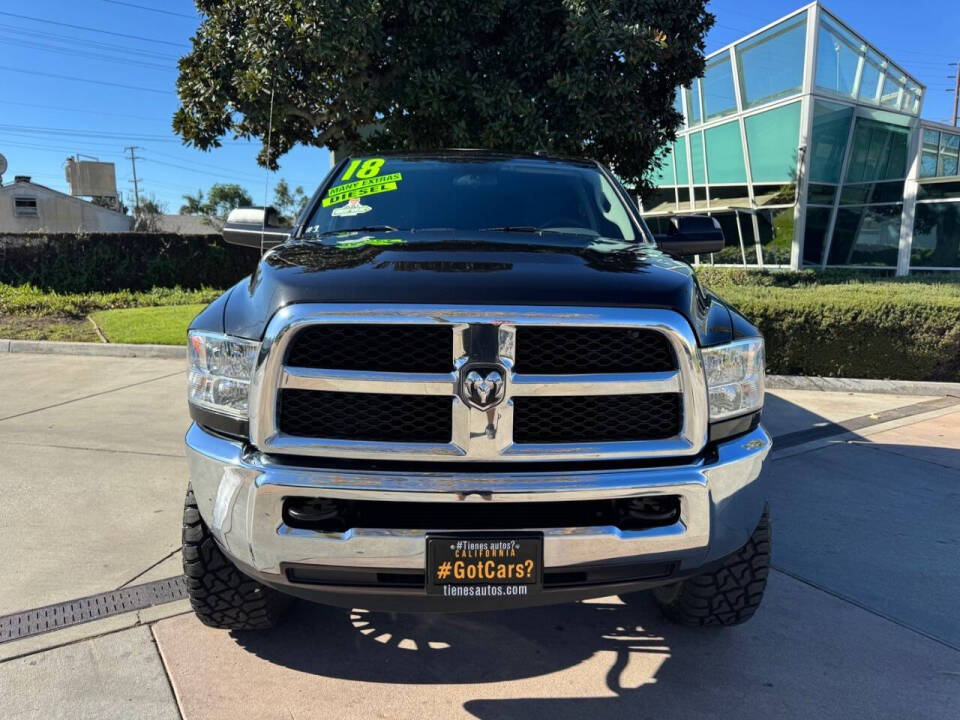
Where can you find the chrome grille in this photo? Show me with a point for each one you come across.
(392, 410)
(596, 418)
(396, 348)
(365, 416)
(575, 350)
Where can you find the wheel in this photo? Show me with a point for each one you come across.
(222, 596)
(727, 595)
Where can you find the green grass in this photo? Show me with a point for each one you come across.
(27, 300)
(148, 325)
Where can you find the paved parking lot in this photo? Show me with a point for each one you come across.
(860, 619)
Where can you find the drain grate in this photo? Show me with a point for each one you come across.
(83, 610)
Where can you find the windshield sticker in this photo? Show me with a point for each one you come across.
(364, 168)
(367, 242)
(353, 207)
(339, 197)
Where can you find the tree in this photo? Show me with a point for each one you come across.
(148, 216)
(224, 197)
(289, 204)
(194, 204)
(577, 77)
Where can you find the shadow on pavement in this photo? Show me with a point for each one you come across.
(805, 654)
(462, 648)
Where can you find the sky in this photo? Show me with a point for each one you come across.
(92, 77)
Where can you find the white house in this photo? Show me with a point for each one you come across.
(28, 207)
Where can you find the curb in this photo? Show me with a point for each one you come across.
(774, 382)
(121, 350)
(882, 387)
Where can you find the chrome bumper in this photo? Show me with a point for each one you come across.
(240, 496)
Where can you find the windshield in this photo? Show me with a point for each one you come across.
(473, 194)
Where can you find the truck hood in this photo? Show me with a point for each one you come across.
(481, 268)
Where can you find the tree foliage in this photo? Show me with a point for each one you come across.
(576, 77)
(221, 199)
(289, 202)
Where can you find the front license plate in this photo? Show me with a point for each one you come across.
(484, 566)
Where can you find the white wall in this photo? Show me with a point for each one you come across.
(56, 212)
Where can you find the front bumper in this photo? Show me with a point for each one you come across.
(240, 495)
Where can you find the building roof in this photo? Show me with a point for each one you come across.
(189, 224)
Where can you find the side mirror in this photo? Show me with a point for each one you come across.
(245, 226)
(691, 235)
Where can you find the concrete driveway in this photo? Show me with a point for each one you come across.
(860, 620)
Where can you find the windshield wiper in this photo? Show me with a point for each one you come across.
(365, 228)
(535, 230)
(512, 228)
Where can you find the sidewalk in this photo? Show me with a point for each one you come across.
(859, 620)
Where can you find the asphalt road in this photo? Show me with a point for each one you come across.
(860, 618)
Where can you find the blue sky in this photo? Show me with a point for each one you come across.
(47, 111)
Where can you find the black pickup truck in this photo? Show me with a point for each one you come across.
(473, 381)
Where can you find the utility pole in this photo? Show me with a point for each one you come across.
(956, 95)
(136, 190)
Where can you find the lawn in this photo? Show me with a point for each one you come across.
(148, 325)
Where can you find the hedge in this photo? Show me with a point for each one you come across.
(106, 262)
(899, 331)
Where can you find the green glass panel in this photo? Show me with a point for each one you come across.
(776, 235)
(716, 84)
(725, 154)
(928, 165)
(664, 174)
(838, 54)
(692, 96)
(936, 235)
(831, 125)
(680, 160)
(939, 190)
(731, 253)
(696, 158)
(821, 194)
(890, 97)
(931, 141)
(949, 154)
(866, 236)
(878, 152)
(772, 140)
(814, 235)
(870, 81)
(771, 64)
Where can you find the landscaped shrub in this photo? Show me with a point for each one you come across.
(903, 331)
(122, 261)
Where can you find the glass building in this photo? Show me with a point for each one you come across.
(805, 142)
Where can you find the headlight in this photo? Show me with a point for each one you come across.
(735, 377)
(220, 370)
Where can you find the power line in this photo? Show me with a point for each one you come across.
(61, 108)
(204, 171)
(96, 30)
(87, 54)
(74, 40)
(67, 132)
(86, 80)
(151, 9)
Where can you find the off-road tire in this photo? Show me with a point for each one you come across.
(222, 596)
(727, 595)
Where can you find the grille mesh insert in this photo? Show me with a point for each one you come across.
(366, 416)
(596, 418)
(572, 350)
(385, 348)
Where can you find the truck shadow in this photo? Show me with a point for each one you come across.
(463, 648)
(805, 654)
